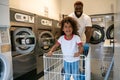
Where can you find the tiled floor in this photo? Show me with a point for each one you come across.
(42, 78)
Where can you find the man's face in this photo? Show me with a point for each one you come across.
(78, 9)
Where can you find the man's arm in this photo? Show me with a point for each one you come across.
(88, 33)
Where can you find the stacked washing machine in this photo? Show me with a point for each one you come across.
(23, 41)
(101, 32)
(45, 40)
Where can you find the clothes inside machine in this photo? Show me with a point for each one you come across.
(45, 40)
(23, 42)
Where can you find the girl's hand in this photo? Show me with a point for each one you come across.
(77, 54)
(49, 54)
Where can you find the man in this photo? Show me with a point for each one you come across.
(84, 21)
(84, 25)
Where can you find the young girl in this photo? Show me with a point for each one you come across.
(71, 47)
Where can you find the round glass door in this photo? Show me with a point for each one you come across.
(98, 34)
(4, 68)
(46, 41)
(110, 32)
(1, 69)
(25, 40)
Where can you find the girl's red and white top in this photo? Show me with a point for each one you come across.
(69, 47)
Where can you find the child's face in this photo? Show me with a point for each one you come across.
(67, 28)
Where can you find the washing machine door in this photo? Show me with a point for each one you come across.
(4, 68)
(46, 41)
(98, 34)
(110, 32)
(25, 40)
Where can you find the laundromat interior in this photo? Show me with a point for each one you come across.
(29, 28)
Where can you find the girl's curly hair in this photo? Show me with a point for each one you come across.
(72, 21)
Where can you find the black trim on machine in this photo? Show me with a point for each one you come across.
(110, 32)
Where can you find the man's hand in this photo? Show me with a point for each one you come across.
(88, 33)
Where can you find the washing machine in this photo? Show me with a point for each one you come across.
(96, 44)
(6, 72)
(45, 40)
(98, 36)
(109, 41)
(23, 43)
(109, 25)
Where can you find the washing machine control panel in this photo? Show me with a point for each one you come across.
(21, 16)
(97, 19)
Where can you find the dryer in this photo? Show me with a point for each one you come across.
(45, 40)
(6, 71)
(23, 43)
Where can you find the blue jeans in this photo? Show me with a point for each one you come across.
(85, 52)
(72, 68)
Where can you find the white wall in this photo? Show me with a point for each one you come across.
(57, 7)
(38, 7)
(90, 6)
(4, 12)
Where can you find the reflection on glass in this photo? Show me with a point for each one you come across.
(97, 35)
